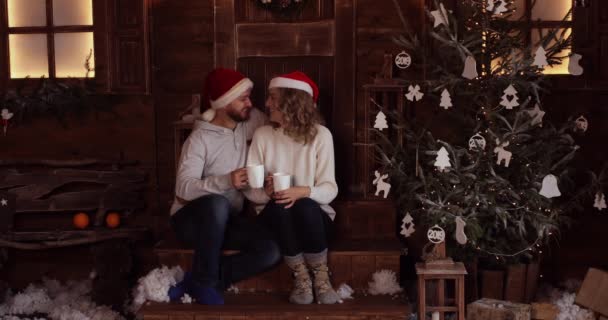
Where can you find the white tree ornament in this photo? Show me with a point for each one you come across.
(477, 142)
(502, 154)
(549, 188)
(574, 65)
(446, 100)
(537, 115)
(600, 201)
(497, 6)
(407, 225)
(6, 115)
(436, 234)
(510, 98)
(440, 16)
(403, 60)
(381, 123)
(443, 159)
(470, 68)
(460, 236)
(581, 124)
(540, 57)
(381, 185)
(414, 93)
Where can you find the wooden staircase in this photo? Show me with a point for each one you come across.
(365, 243)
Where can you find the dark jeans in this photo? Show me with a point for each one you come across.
(303, 228)
(207, 225)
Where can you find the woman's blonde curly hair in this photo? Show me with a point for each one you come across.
(300, 114)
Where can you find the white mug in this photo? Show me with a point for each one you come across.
(281, 181)
(255, 175)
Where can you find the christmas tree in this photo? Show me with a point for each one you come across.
(494, 191)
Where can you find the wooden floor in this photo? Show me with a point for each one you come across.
(276, 306)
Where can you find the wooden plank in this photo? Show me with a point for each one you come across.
(224, 34)
(492, 284)
(341, 269)
(532, 277)
(285, 39)
(7, 211)
(515, 285)
(361, 274)
(111, 199)
(343, 126)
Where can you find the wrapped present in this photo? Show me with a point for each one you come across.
(593, 294)
(491, 309)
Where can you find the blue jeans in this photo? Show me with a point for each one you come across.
(303, 228)
(208, 226)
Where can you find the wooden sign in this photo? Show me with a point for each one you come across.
(7, 211)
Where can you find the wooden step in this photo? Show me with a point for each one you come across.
(365, 219)
(351, 262)
(276, 306)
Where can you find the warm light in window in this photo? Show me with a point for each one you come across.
(26, 13)
(72, 12)
(551, 10)
(28, 55)
(71, 51)
(556, 69)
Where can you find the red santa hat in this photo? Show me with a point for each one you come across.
(222, 86)
(296, 80)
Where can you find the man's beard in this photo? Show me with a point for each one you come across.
(237, 116)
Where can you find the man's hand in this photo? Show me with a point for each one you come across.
(290, 195)
(239, 178)
(269, 186)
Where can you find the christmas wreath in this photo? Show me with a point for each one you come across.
(284, 7)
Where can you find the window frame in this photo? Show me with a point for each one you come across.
(100, 44)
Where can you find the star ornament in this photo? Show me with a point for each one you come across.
(537, 115)
(4, 202)
(440, 16)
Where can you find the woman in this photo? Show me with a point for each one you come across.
(297, 144)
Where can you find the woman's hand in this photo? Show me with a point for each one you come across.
(290, 195)
(268, 186)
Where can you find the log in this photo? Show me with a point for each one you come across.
(96, 237)
(65, 163)
(491, 309)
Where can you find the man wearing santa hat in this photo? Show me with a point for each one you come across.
(208, 198)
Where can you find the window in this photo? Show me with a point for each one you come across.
(50, 38)
(542, 16)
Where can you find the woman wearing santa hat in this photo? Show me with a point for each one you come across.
(296, 144)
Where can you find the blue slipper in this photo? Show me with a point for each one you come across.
(205, 294)
(177, 291)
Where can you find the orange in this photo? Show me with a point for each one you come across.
(80, 220)
(113, 220)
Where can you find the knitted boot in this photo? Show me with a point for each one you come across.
(324, 292)
(302, 285)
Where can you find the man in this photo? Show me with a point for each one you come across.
(208, 198)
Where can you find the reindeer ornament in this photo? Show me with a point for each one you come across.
(381, 185)
(502, 153)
